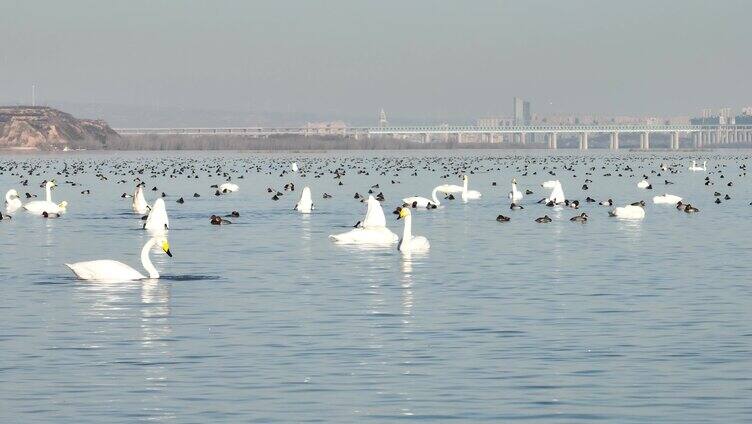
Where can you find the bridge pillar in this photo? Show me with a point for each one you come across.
(584, 141)
(459, 137)
(523, 137)
(614, 141)
(645, 141)
(552, 141)
(675, 141)
(428, 138)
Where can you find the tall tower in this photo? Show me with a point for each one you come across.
(382, 119)
(518, 111)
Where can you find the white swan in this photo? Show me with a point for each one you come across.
(372, 230)
(628, 212)
(374, 214)
(139, 204)
(422, 202)
(228, 188)
(12, 201)
(667, 199)
(39, 207)
(450, 188)
(694, 166)
(643, 184)
(515, 195)
(557, 193)
(294, 167)
(305, 204)
(157, 221)
(468, 194)
(409, 242)
(109, 270)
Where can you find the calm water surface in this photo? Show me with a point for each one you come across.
(266, 320)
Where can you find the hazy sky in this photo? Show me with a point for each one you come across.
(424, 60)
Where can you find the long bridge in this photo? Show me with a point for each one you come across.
(698, 136)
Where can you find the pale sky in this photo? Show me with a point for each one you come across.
(420, 60)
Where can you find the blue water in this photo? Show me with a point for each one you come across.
(266, 320)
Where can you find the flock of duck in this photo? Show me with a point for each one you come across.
(371, 230)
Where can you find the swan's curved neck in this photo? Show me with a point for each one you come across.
(433, 196)
(407, 232)
(8, 199)
(48, 192)
(146, 262)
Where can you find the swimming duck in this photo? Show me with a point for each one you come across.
(217, 220)
(543, 220)
(583, 217)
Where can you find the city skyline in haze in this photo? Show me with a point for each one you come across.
(422, 61)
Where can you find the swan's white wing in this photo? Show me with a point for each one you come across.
(157, 220)
(450, 188)
(473, 194)
(104, 270)
(39, 206)
(415, 244)
(374, 215)
(139, 204)
(13, 205)
(366, 236)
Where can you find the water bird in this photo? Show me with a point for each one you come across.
(37, 207)
(422, 202)
(468, 194)
(157, 220)
(557, 193)
(12, 201)
(139, 204)
(628, 212)
(109, 270)
(305, 204)
(696, 168)
(515, 195)
(667, 199)
(371, 230)
(217, 220)
(409, 242)
(583, 217)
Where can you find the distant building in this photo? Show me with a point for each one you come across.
(722, 118)
(495, 122)
(382, 119)
(522, 113)
(746, 117)
(708, 120)
(325, 128)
